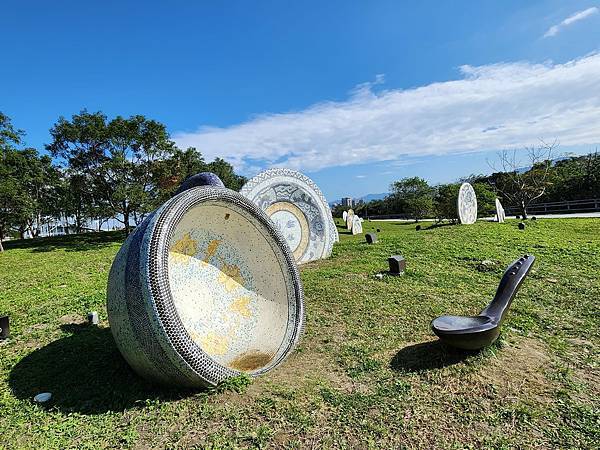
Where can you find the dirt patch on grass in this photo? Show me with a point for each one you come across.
(69, 319)
(518, 371)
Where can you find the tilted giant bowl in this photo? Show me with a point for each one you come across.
(204, 289)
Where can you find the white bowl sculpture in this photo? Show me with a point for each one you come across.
(349, 219)
(205, 289)
(356, 225)
(299, 210)
(500, 214)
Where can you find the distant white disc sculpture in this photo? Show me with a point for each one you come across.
(500, 215)
(299, 210)
(467, 204)
(349, 218)
(344, 215)
(357, 225)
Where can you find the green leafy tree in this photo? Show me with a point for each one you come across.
(445, 202)
(81, 145)
(136, 145)
(575, 178)
(486, 199)
(76, 199)
(111, 163)
(169, 173)
(14, 202)
(413, 196)
(26, 184)
(227, 174)
(9, 137)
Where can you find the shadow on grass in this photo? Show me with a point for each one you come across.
(406, 223)
(70, 243)
(85, 374)
(440, 225)
(428, 356)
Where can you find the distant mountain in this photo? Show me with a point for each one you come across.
(366, 198)
(554, 161)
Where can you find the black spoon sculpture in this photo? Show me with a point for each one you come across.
(476, 332)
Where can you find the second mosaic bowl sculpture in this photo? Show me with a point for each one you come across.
(299, 210)
(204, 289)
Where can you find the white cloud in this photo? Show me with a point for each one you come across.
(580, 15)
(488, 108)
(361, 176)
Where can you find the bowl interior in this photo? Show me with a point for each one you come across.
(456, 323)
(230, 285)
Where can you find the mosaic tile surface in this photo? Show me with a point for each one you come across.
(357, 225)
(226, 299)
(467, 204)
(349, 219)
(297, 207)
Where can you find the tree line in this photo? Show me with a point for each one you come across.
(544, 179)
(96, 169)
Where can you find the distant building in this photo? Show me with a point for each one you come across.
(347, 202)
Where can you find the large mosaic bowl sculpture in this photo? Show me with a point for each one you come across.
(467, 204)
(299, 210)
(204, 289)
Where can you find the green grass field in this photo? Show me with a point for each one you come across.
(369, 372)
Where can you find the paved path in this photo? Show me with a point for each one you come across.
(492, 219)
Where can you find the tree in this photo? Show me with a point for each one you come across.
(486, 199)
(136, 144)
(111, 163)
(521, 186)
(13, 201)
(413, 196)
(226, 173)
(80, 145)
(169, 173)
(77, 198)
(445, 202)
(575, 178)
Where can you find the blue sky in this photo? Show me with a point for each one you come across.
(355, 94)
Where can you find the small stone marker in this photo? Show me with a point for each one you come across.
(371, 238)
(92, 318)
(397, 265)
(4, 327)
(344, 216)
(521, 226)
(43, 397)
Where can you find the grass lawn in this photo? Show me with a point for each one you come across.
(368, 373)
